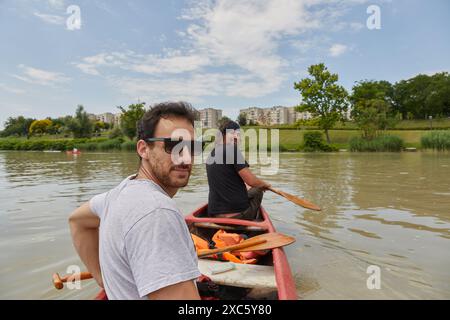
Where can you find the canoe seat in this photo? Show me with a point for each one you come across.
(244, 275)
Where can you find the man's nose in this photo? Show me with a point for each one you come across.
(185, 156)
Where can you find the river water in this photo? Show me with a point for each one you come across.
(390, 210)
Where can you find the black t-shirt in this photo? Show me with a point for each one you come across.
(227, 191)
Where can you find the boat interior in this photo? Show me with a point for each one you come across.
(244, 281)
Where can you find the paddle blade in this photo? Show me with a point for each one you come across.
(273, 240)
(301, 202)
(264, 241)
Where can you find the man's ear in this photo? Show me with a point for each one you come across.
(141, 148)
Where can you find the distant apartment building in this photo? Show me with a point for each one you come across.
(295, 116)
(116, 122)
(107, 117)
(276, 115)
(253, 115)
(209, 117)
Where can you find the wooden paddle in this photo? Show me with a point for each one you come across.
(301, 202)
(264, 241)
(58, 282)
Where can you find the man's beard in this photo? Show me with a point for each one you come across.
(165, 178)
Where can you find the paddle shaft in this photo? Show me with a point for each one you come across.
(236, 247)
(296, 200)
(58, 281)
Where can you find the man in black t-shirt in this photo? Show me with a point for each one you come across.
(228, 174)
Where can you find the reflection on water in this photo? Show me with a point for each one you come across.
(389, 210)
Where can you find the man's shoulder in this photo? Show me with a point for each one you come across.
(149, 197)
(139, 199)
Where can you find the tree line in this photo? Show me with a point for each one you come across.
(79, 126)
(374, 105)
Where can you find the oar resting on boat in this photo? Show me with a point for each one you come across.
(264, 241)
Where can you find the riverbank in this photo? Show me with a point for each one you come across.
(289, 140)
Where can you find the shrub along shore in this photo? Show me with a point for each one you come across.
(290, 140)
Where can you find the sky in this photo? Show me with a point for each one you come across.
(233, 54)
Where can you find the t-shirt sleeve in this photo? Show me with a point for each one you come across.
(160, 251)
(239, 161)
(98, 203)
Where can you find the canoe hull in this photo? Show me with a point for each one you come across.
(286, 289)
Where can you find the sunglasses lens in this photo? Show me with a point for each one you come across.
(194, 147)
(170, 144)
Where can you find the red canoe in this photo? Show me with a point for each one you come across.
(271, 278)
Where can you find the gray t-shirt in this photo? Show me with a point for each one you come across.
(145, 244)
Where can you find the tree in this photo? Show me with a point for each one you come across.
(371, 116)
(423, 96)
(57, 125)
(372, 103)
(130, 117)
(19, 126)
(81, 126)
(323, 97)
(99, 126)
(40, 126)
(368, 90)
(242, 119)
(223, 121)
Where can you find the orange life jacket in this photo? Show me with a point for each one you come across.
(222, 239)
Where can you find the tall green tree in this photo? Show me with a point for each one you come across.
(368, 90)
(423, 96)
(81, 126)
(19, 126)
(99, 126)
(130, 117)
(242, 119)
(371, 116)
(372, 103)
(323, 97)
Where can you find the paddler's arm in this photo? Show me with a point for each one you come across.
(84, 227)
(252, 180)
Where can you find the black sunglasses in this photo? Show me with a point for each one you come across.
(195, 147)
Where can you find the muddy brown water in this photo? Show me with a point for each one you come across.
(390, 210)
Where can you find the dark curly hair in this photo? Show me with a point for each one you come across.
(147, 125)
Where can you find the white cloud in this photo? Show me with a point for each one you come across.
(222, 34)
(50, 18)
(337, 49)
(41, 77)
(243, 38)
(247, 33)
(173, 62)
(11, 89)
(357, 26)
(56, 4)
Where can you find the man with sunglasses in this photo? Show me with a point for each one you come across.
(133, 239)
(229, 176)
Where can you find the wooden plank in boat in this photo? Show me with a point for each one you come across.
(244, 275)
(211, 225)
